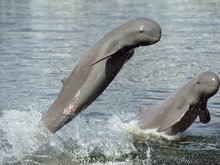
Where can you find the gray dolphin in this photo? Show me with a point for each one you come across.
(180, 109)
(98, 68)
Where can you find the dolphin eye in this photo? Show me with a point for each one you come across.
(141, 29)
(198, 82)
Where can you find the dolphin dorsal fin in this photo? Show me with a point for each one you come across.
(64, 80)
(143, 108)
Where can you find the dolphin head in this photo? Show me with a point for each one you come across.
(207, 84)
(126, 37)
(140, 32)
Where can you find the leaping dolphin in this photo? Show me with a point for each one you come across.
(97, 69)
(180, 109)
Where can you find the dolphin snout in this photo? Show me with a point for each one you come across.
(213, 79)
(155, 33)
(158, 33)
(155, 39)
(216, 81)
(208, 83)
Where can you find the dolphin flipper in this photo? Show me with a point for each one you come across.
(101, 59)
(204, 116)
(113, 49)
(173, 118)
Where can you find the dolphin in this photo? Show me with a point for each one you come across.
(180, 109)
(97, 69)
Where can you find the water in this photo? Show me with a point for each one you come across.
(41, 42)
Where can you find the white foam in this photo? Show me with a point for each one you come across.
(99, 136)
(80, 138)
(20, 128)
(133, 128)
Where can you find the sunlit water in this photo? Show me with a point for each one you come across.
(41, 42)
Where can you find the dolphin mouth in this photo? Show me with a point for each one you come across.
(151, 40)
(154, 39)
(213, 88)
(213, 91)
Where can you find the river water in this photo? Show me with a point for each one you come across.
(42, 40)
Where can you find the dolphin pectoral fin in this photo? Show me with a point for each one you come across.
(113, 49)
(99, 60)
(113, 52)
(173, 116)
(129, 55)
(143, 108)
(204, 116)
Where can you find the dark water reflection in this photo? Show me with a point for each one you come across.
(40, 43)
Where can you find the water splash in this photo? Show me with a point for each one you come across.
(19, 129)
(83, 141)
(133, 128)
(79, 140)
